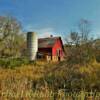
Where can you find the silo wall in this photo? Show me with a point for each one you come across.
(32, 45)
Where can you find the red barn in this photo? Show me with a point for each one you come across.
(51, 48)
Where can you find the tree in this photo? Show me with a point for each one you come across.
(8, 25)
(74, 36)
(11, 38)
(80, 50)
(84, 27)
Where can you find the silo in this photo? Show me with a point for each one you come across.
(32, 45)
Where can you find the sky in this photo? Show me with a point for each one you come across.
(56, 17)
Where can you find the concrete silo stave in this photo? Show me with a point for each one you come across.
(32, 45)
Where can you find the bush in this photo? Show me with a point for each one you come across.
(3, 63)
(13, 62)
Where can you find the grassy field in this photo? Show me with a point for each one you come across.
(41, 81)
(19, 83)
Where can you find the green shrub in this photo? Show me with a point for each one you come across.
(13, 62)
(3, 63)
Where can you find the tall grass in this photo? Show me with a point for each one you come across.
(43, 81)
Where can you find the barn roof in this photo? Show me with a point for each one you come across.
(47, 42)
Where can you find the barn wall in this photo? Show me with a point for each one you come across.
(57, 46)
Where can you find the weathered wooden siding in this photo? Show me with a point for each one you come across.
(56, 48)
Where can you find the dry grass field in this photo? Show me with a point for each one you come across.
(28, 82)
(17, 84)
